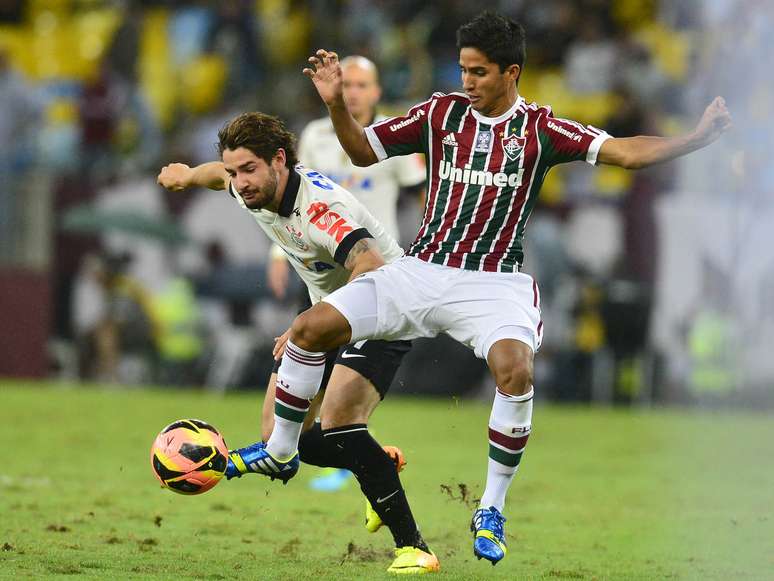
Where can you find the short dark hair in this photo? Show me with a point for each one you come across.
(501, 39)
(260, 133)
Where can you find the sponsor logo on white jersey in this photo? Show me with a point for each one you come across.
(446, 171)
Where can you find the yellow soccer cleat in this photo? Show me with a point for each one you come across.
(373, 521)
(413, 561)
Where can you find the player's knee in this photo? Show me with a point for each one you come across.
(514, 376)
(305, 333)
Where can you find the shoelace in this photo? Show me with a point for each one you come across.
(494, 519)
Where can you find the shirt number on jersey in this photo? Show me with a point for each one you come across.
(328, 221)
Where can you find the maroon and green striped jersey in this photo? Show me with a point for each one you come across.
(483, 174)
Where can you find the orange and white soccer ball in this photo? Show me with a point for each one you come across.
(189, 456)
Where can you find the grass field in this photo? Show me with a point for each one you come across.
(603, 494)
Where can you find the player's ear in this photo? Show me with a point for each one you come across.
(514, 72)
(280, 157)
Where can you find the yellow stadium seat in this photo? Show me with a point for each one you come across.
(94, 32)
(203, 84)
(158, 78)
(670, 49)
(612, 181)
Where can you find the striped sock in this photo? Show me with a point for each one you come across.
(509, 428)
(298, 381)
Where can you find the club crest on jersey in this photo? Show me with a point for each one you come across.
(483, 142)
(513, 146)
(296, 237)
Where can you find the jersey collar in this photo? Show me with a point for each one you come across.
(495, 120)
(291, 192)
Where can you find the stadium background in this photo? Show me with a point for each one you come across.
(656, 284)
(656, 288)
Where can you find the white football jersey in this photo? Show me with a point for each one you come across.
(317, 224)
(376, 186)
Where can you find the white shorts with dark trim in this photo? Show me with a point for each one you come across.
(411, 298)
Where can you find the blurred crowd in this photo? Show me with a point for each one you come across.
(158, 287)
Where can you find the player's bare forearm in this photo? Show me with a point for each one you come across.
(643, 151)
(179, 176)
(351, 135)
(363, 257)
(211, 175)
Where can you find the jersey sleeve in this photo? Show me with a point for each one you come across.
(400, 135)
(567, 140)
(334, 228)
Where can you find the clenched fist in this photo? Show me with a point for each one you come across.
(715, 121)
(175, 176)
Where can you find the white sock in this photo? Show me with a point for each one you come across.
(298, 381)
(509, 427)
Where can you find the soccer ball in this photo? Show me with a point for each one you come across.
(189, 456)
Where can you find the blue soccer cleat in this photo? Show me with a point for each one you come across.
(488, 534)
(255, 458)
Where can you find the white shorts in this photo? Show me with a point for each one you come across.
(411, 298)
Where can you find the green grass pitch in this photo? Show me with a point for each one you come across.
(602, 494)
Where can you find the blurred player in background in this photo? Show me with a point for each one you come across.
(487, 152)
(377, 187)
(330, 238)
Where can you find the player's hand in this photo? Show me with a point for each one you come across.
(277, 274)
(715, 121)
(325, 72)
(279, 345)
(175, 177)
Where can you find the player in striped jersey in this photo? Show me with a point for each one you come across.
(487, 152)
(330, 238)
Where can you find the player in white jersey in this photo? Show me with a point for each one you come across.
(330, 238)
(378, 186)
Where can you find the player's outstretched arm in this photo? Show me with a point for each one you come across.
(363, 257)
(643, 151)
(179, 176)
(325, 72)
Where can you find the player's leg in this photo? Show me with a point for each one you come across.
(253, 458)
(319, 329)
(499, 315)
(313, 332)
(267, 411)
(348, 404)
(510, 421)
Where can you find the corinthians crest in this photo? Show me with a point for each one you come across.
(513, 145)
(296, 237)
